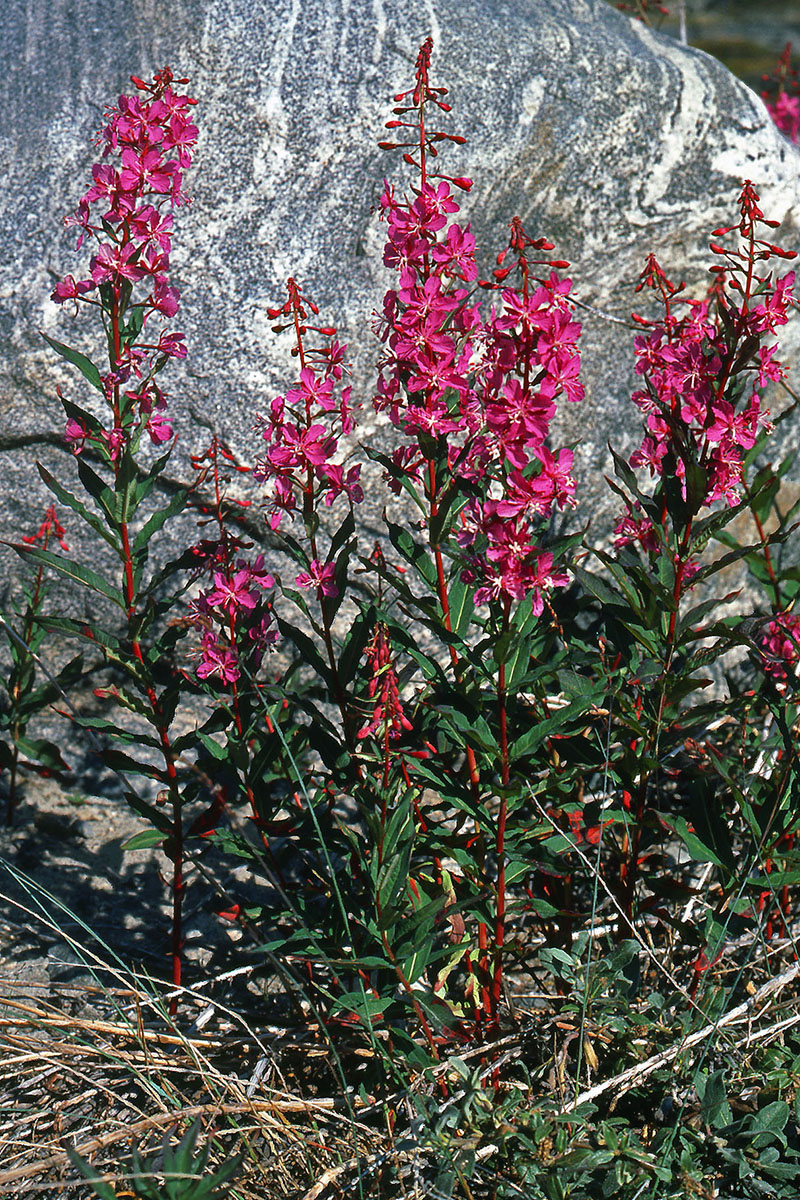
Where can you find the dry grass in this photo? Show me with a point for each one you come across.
(100, 1082)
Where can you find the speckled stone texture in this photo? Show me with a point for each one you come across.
(604, 136)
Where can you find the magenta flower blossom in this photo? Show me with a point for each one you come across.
(487, 383)
(784, 106)
(232, 593)
(151, 228)
(146, 172)
(70, 289)
(319, 576)
(109, 188)
(114, 440)
(687, 364)
(230, 609)
(312, 391)
(112, 264)
(164, 298)
(216, 659)
(780, 645)
(159, 429)
(75, 434)
(172, 344)
(301, 463)
(255, 572)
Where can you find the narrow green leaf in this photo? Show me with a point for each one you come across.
(413, 553)
(462, 604)
(143, 840)
(71, 570)
(533, 738)
(79, 507)
(84, 365)
(101, 1189)
(99, 490)
(158, 519)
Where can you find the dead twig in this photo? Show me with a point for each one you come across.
(634, 1075)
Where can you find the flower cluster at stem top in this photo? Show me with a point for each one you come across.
(148, 139)
(704, 371)
(481, 384)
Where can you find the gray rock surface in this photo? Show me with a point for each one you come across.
(608, 138)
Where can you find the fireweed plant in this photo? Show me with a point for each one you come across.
(449, 755)
(27, 695)
(126, 217)
(782, 95)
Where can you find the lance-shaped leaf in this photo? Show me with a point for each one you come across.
(84, 364)
(71, 570)
(158, 519)
(72, 501)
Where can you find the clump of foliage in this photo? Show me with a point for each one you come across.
(521, 811)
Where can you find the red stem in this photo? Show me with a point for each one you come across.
(500, 909)
(176, 839)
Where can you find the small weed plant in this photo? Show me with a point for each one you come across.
(520, 809)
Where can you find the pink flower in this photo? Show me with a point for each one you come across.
(263, 635)
(216, 659)
(785, 112)
(780, 644)
(109, 187)
(312, 391)
(636, 529)
(164, 298)
(146, 171)
(159, 429)
(75, 434)
(542, 578)
(114, 263)
(341, 482)
(319, 576)
(70, 289)
(115, 440)
(232, 593)
(456, 255)
(151, 228)
(255, 572)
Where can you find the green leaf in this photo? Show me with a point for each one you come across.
(714, 1100)
(462, 604)
(342, 535)
(355, 643)
(133, 326)
(533, 738)
(362, 1004)
(99, 490)
(145, 485)
(413, 553)
(143, 840)
(307, 650)
(71, 570)
(117, 760)
(84, 365)
(698, 850)
(90, 633)
(39, 750)
(473, 727)
(103, 1190)
(154, 815)
(79, 507)
(158, 519)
